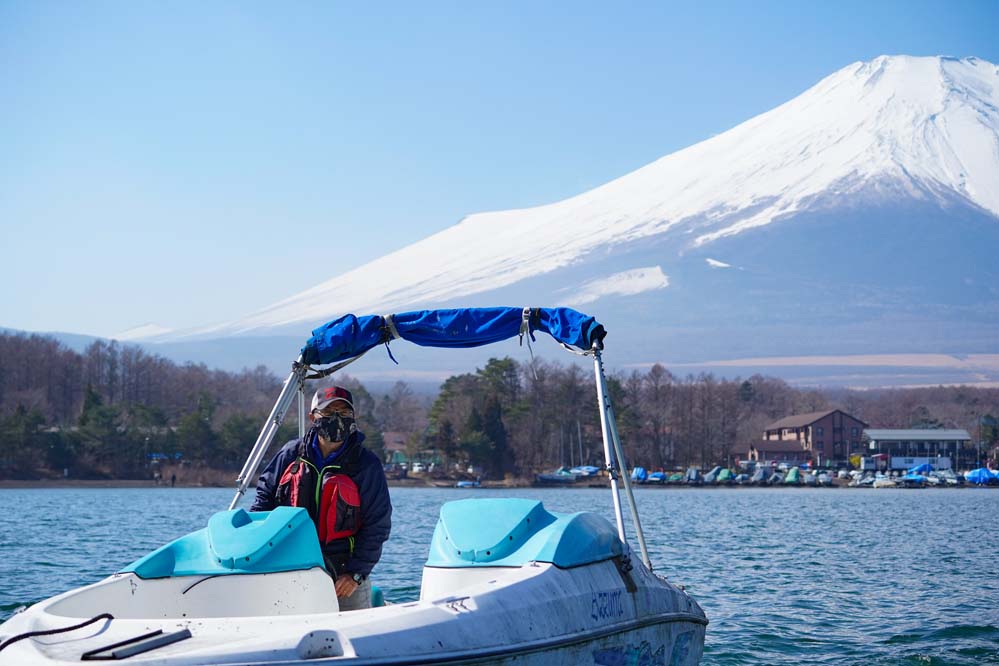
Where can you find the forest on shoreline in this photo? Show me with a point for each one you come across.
(117, 412)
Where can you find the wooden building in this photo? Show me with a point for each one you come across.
(829, 437)
(778, 451)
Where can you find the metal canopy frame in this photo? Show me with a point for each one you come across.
(294, 384)
(614, 459)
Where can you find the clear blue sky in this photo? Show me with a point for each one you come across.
(188, 162)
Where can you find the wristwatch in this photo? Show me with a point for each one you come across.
(358, 578)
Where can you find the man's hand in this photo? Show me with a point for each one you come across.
(345, 586)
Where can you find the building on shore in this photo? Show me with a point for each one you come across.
(902, 446)
(773, 451)
(395, 447)
(828, 437)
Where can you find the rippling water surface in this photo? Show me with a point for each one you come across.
(786, 576)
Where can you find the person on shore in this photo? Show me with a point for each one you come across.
(343, 487)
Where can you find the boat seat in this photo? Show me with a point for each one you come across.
(506, 532)
(238, 542)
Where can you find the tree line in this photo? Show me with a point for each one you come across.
(113, 409)
(520, 418)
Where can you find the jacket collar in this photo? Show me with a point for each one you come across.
(338, 457)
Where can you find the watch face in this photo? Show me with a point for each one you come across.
(358, 578)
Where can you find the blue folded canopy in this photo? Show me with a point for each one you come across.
(350, 335)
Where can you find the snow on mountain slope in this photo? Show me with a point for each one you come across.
(626, 283)
(913, 128)
(142, 332)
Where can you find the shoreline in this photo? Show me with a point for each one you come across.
(149, 483)
(54, 484)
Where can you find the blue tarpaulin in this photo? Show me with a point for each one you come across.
(981, 476)
(350, 335)
(639, 474)
(925, 468)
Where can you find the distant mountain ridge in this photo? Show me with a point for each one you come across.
(861, 217)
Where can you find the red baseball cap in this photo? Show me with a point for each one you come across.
(324, 397)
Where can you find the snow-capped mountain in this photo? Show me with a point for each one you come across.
(863, 215)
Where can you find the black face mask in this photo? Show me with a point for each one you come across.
(335, 428)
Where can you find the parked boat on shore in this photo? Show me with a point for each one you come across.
(884, 481)
(982, 477)
(560, 477)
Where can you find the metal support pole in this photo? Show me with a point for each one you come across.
(602, 401)
(627, 489)
(301, 410)
(292, 384)
(619, 455)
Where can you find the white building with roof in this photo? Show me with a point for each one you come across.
(907, 448)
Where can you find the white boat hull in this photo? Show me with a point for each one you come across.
(534, 614)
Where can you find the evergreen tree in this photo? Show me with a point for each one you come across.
(21, 451)
(236, 438)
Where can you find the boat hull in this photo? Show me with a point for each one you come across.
(671, 641)
(605, 614)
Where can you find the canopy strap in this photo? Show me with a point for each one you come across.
(393, 332)
(530, 316)
(326, 372)
(577, 352)
(390, 327)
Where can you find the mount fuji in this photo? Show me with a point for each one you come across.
(861, 217)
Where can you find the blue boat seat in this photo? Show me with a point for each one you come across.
(502, 532)
(238, 542)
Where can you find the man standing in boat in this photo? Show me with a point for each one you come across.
(343, 487)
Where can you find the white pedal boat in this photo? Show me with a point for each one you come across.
(505, 582)
(528, 587)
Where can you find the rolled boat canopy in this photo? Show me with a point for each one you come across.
(350, 336)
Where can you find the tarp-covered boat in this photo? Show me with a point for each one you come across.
(559, 477)
(526, 586)
(982, 476)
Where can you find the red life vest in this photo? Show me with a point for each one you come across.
(329, 495)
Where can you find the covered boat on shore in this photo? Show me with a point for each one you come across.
(505, 580)
(912, 480)
(982, 477)
(560, 477)
(793, 477)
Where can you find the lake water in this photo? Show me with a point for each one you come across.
(786, 576)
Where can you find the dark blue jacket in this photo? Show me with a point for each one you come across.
(376, 506)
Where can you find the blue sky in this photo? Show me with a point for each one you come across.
(186, 163)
